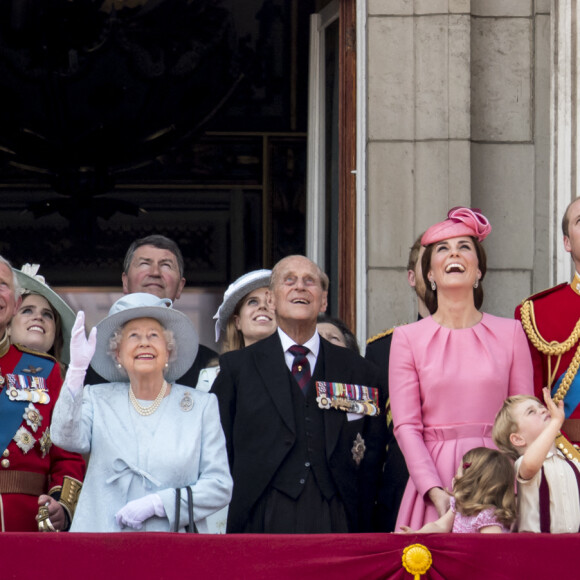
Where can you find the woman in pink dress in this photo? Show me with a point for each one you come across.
(450, 373)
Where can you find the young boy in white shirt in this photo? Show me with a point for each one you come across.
(548, 482)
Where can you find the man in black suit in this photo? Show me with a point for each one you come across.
(299, 464)
(378, 349)
(154, 265)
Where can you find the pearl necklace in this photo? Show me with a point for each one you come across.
(146, 411)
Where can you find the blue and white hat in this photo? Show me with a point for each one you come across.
(235, 292)
(143, 305)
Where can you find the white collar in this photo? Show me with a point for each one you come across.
(313, 343)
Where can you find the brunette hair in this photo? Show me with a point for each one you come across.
(566, 218)
(414, 254)
(56, 349)
(505, 424)
(487, 482)
(157, 241)
(349, 337)
(431, 295)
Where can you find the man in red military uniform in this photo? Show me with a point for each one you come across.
(551, 320)
(34, 474)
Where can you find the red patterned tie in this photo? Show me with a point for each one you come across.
(300, 366)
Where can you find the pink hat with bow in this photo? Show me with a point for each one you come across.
(461, 221)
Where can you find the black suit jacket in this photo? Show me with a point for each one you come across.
(258, 421)
(395, 473)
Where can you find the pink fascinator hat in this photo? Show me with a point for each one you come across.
(461, 221)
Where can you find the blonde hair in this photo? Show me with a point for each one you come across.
(234, 339)
(487, 482)
(505, 424)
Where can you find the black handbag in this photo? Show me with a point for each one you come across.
(191, 528)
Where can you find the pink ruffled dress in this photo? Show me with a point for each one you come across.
(446, 387)
(473, 524)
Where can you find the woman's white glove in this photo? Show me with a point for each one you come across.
(134, 513)
(81, 353)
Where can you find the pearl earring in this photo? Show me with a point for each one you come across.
(166, 365)
(119, 366)
(476, 283)
(433, 285)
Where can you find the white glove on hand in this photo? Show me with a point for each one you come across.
(134, 513)
(81, 353)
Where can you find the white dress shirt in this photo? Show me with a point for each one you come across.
(313, 344)
(564, 501)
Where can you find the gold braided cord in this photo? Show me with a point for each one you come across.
(568, 377)
(553, 348)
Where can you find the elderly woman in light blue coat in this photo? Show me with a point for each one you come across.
(147, 436)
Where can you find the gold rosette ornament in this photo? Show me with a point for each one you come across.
(417, 560)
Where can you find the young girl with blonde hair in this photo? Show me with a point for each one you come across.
(483, 499)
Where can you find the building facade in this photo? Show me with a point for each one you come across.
(467, 103)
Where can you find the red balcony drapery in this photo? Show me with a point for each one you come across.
(50, 556)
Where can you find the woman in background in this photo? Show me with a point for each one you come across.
(44, 321)
(244, 317)
(336, 331)
(245, 314)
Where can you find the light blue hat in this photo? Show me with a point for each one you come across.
(143, 305)
(235, 292)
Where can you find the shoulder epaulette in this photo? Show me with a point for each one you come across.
(27, 350)
(546, 292)
(381, 335)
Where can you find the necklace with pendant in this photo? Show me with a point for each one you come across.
(146, 411)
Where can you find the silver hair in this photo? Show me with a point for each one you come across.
(17, 289)
(115, 343)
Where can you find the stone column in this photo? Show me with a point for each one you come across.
(418, 138)
(564, 112)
